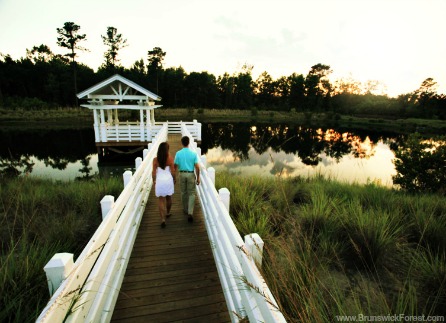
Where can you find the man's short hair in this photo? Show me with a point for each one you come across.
(185, 141)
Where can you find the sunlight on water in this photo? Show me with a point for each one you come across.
(377, 167)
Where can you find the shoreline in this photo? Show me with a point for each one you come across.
(66, 118)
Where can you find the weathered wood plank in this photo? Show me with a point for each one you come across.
(171, 275)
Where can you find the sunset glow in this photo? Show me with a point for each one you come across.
(395, 42)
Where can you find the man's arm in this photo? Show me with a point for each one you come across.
(197, 173)
(175, 164)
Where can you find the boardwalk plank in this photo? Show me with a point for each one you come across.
(215, 314)
(184, 308)
(171, 275)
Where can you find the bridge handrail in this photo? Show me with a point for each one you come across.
(90, 291)
(246, 291)
(194, 128)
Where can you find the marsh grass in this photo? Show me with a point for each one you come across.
(39, 218)
(343, 249)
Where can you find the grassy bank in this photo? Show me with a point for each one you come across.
(39, 218)
(338, 249)
(330, 248)
(81, 117)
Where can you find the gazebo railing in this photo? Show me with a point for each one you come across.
(137, 132)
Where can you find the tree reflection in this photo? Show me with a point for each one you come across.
(55, 148)
(233, 137)
(86, 169)
(56, 163)
(13, 166)
(307, 143)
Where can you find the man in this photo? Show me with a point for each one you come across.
(185, 162)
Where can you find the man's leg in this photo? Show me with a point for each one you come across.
(191, 193)
(183, 188)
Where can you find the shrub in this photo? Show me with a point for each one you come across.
(420, 164)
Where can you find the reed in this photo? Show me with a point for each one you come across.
(39, 218)
(344, 249)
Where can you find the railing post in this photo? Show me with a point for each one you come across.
(254, 244)
(211, 173)
(198, 150)
(145, 152)
(58, 269)
(197, 127)
(107, 203)
(127, 177)
(224, 196)
(138, 162)
(204, 160)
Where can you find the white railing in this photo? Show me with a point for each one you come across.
(90, 290)
(245, 290)
(134, 131)
(128, 132)
(194, 128)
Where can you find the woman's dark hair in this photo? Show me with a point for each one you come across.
(161, 155)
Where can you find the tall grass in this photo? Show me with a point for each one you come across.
(344, 249)
(39, 218)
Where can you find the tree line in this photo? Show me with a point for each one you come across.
(43, 79)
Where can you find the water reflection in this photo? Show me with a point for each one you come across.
(307, 143)
(58, 154)
(295, 150)
(15, 166)
(241, 147)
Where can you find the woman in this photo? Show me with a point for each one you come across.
(163, 175)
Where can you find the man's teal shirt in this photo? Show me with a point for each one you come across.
(186, 159)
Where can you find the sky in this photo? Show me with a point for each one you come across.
(399, 43)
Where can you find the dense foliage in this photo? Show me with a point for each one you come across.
(43, 79)
(421, 164)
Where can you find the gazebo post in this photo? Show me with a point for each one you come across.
(141, 125)
(103, 130)
(110, 117)
(149, 125)
(97, 134)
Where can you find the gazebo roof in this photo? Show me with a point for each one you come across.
(117, 89)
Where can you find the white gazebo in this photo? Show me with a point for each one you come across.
(117, 93)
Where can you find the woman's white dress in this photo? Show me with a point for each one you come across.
(164, 182)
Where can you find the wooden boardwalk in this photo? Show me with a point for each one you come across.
(171, 275)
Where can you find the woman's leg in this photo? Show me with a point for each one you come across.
(168, 205)
(162, 208)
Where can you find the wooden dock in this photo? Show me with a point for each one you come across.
(171, 275)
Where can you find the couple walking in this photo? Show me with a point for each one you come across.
(164, 175)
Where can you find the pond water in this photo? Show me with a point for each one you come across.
(246, 148)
